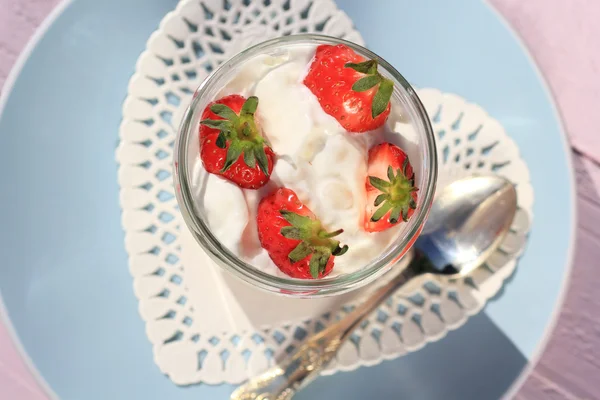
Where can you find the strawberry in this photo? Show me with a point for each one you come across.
(349, 88)
(390, 186)
(231, 143)
(294, 237)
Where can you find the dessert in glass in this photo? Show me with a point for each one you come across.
(305, 165)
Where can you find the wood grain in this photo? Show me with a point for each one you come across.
(540, 387)
(570, 365)
(562, 36)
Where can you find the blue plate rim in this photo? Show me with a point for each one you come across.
(553, 321)
(57, 11)
(7, 89)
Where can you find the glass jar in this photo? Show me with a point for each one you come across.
(422, 156)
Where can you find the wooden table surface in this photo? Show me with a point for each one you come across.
(563, 38)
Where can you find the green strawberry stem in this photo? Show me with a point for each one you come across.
(373, 78)
(314, 241)
(396, 194)
(242, 133)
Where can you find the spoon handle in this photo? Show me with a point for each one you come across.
(346, 326)
(281, 383)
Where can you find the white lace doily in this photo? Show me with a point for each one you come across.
(197, 319)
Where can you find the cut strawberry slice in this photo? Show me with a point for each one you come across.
(390, 187)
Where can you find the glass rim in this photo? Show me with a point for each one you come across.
(245, 271)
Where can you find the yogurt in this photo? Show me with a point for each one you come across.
(316, 158)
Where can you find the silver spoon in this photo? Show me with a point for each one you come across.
(468, 221)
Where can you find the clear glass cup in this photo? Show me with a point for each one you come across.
(423, 160)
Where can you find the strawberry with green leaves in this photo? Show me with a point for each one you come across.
(295, 239)
(349, 88)
(390, 187)
(231, 142)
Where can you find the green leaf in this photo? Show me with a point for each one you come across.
(365, 67)
(399, 172)
(366, 83)
(313, 266)
(380, 199)
(297, 220)
(413, 203)
(395, 215)
(249, 158)
(323, 260)
(261, 157)
(250, 105)
(221, 142)
(328, 235)
(221, 124)
(382, 97)
(301, 251)
(233, 153)
(319, 261)
(340, 250)
(381, 211)
(405, 214)
(379, 183)
(291, 232)
(224, 111)
(246, 130)
(404, 165)
(390, 173)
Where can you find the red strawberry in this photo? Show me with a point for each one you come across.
(390, 186)
(294, 237)
(231, 143)
(349, 88)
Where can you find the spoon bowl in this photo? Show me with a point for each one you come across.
(468, 220)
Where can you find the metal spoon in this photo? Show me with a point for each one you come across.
(468, 221)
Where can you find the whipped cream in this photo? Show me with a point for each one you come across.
(317, 158)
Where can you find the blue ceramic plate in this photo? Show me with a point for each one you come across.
(64, 279)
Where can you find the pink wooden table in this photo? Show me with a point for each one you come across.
(563, 38)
